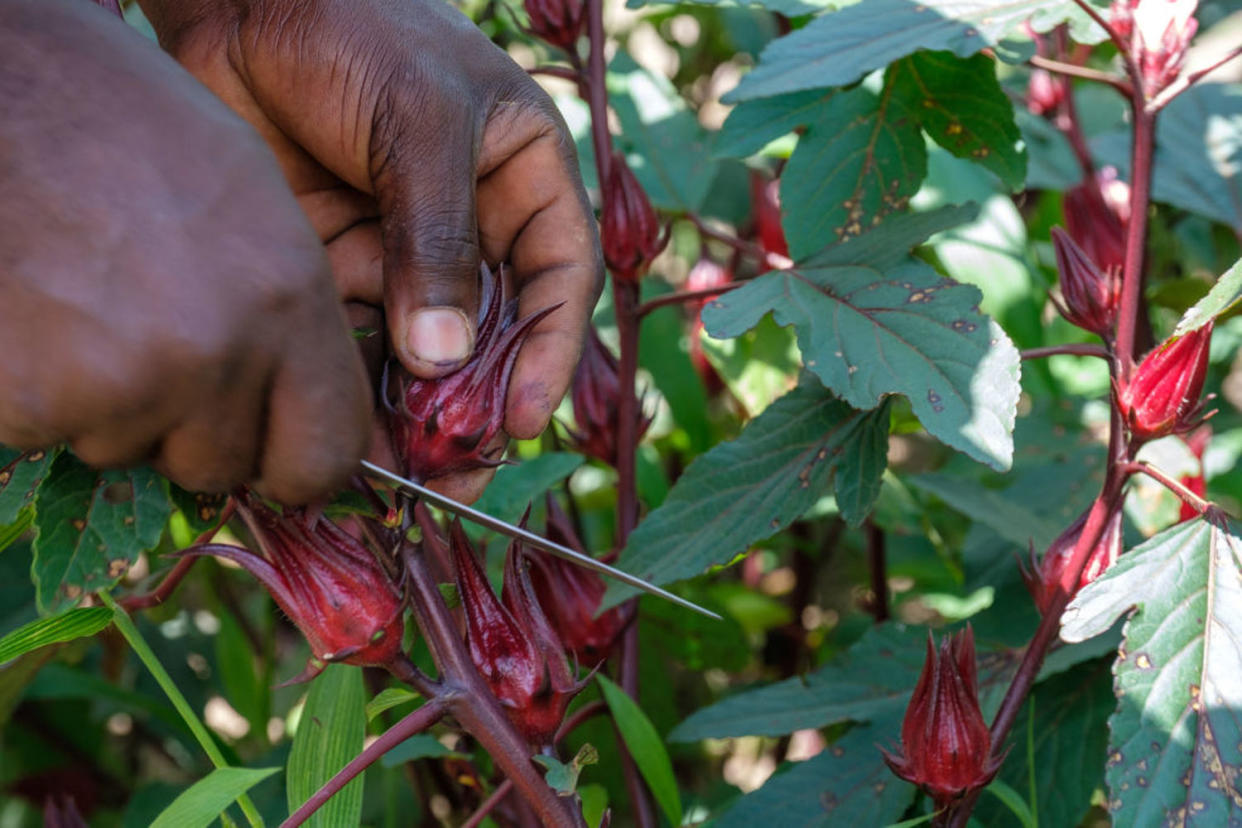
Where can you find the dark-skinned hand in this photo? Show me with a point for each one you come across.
(162, 296)
(416, 147)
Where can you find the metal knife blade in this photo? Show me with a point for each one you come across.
(505, 528)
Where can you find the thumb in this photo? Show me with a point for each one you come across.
(431, 253)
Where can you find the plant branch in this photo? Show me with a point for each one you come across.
(416, 722)
(1136, 237)
(1078, 349)
(485, 808)
(765, 259)
(556, 72)
(684, 296)
(1186, 81)
(1199, 504)
(177, 574)
(1084, 72)
(597, 90)
(879, 572)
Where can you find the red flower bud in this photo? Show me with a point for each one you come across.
(1097, 213)
(1163, 395)
(570, 595)
(765, 203)
(453, 424)
(513, 645)
(1158, 34)
(1090, 296)
(596, 395)
(1044, 578)
(559, 22)
(1044, 93)
(328, 583)
(629, 227)
(944, 741)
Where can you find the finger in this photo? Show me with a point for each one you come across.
(531, 212)
(464, 487)
(318, 415)
(356, 257)
(425, 189)
(217, 449)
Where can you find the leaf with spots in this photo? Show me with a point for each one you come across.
(201, 510)
(750, 488)
(872, 320)
(962, 107)
(859, 160)
(91, 527)
(21, 473)
(1175, 747)
(841, 47)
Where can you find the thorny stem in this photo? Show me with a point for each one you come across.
(486, 806)
(416, 722)
(1080, 349)
(469, 700)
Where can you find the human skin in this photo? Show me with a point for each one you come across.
(191, 318)
(416, 147)
(162, 296)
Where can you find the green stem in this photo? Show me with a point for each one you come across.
(126, 625)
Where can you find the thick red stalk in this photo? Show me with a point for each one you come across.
(1144, 131)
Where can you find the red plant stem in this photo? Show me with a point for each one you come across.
(597, 90)
(879, 572)
(177, 574)
(416, 722)
(1076, 71)
(1188, 497)
(556, 72)
(470, 701)
(486, 806)
(1079, 349)
(1144, 130)
(754, 251)
(1067, 116)
(625, 304)
(684, 296)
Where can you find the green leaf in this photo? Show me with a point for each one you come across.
(388, 698)
(1226, 292)
(1068, 751)
(749, 488)
(845, 784)
(663, 353)
(1014, 802)
(1175, 738)
(201, 510)
(21, 473)
(961, 105)
(245, 685)
(13, 532)
(841, 47)
(872, 681)
(752, 125)
(561, 777)
(645, 746)
(74, 623)
(1012, 518)
(669, 150)
(758, 366)
(516, 487)
(870, 324)
(860, 160)
(789, 8)
(206, 799)
(329, 735)
(92, 526)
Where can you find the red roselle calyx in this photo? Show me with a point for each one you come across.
(629, 228)
(596, 397)
(558, 22)
(945, 743)
(512, 644)
(453, 424)
(329, 584)
(1090, 296)
(1163, 394)
(705, 274)
(570, 595)
(1044, 93)
(1158, 33)
(1045, 576)
(1097, 213)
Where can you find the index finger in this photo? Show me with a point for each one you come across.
(533, 212)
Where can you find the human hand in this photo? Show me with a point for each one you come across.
(416, 147)
(162, 297)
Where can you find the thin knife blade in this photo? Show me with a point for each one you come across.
(505, 528)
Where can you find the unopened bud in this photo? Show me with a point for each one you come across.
(596, 397)
(1090, 297)
(1163, 395)
(558, 22)
(1097, 214)
(1044, 578)
(629, 227)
